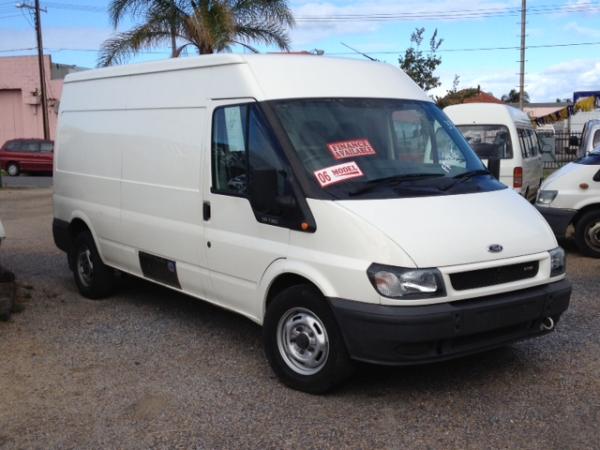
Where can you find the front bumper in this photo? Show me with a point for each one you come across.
(558, 219)
(405, 335)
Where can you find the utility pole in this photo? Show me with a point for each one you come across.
(40, 49)
(522, 71)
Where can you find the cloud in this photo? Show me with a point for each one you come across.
(582, 31)
(309, 31)
(557, 81)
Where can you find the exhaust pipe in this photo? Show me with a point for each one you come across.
(547, 324)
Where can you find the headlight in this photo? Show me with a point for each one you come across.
(403, 283)
(546, 197)
(558, 263)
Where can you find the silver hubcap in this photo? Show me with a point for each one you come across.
(12, 170)
(302, 341)
(592, 236)
(85, 267)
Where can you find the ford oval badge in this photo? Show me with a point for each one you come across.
(495, 248)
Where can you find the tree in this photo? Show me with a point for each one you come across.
(417, 65)
(456, 97)
(513, 97)
(208, 26)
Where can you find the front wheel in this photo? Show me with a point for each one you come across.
(94, 279)
(303, 343)
(12, 169)
(587, 234)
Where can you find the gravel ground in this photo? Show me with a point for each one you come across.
(150, 368)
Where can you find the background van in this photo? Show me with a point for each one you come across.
(501, 131)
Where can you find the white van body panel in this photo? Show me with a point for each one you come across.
(132, 161)
(566, 181)
(483, 222)
(512, 118)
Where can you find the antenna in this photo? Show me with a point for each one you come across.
(360, 53)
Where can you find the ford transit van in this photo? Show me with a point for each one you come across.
(328, 200)
(571, 196)
(506, 133)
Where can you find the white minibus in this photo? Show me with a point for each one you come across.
(501, 131)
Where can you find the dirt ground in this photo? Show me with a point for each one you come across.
(150, 368)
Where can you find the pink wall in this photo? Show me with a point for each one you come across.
(20, 107)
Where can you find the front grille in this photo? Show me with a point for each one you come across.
(494, 275)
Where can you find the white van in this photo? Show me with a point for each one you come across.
(590, 138)
(501, 131)
(329, 200)
(571, 196)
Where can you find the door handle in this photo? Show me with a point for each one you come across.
(206, 211)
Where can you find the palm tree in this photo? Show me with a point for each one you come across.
(513, 97)
(206, 25)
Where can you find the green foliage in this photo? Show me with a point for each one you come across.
(419, 66)
(457, 97)
(513, 97)
(207, 26)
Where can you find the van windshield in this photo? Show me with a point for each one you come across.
(488, 141)
(355, 147)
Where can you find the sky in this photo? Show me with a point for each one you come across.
(480, 38)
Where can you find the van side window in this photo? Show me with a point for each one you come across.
(596, 140)
(535, 144)
(46, 147)
(229, 158)
(525, 142)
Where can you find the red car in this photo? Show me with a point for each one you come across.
(26, 155)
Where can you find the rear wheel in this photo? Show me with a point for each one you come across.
(12, 169)
(303, 343)
(587, 234)
(94, 279)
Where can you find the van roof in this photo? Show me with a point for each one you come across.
(279, 76)
(485, 113)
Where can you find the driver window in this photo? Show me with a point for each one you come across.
(229, 138)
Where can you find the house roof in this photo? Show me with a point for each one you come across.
(483, 97)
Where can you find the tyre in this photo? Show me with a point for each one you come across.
(13, 169)
(587, 234)
(303, 343)
(94, 279)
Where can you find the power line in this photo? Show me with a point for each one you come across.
(476, 49)
(447, 14)
(10, 16)
(382, 52)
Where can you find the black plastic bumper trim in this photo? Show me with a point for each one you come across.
(558, 219)
(407, 335)
(62, 237)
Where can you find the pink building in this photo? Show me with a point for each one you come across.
(20, 100)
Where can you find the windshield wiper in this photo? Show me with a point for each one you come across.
(391, 181)
(466, 176)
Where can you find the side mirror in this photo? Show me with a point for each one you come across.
(263, 190)
(573, 141)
